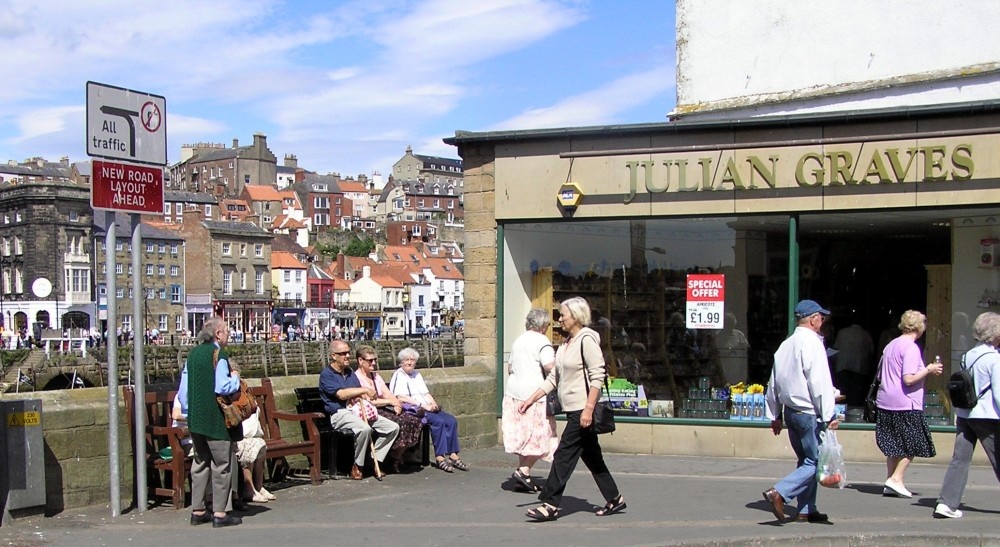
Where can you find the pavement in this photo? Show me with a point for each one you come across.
(671, 500)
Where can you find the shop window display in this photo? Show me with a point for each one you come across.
(633, 273)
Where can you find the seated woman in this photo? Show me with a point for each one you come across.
(388, 405)
(251, 452)
(408, 385)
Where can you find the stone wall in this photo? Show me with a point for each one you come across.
(480, 311)
(75, 428)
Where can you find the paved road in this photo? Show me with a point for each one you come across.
(672, 501)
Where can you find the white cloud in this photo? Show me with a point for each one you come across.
(46, 121)
(599, 106)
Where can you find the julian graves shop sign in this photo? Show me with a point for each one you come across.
(871, 164)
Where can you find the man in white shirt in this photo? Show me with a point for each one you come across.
(800, 394)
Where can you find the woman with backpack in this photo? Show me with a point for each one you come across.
(980, 422)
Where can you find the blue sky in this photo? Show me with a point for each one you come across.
(343, 85)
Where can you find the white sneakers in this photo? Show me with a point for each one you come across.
(942, 511)
(263, 496)
(895, 489)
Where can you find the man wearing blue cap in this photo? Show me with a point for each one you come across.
(800, 394)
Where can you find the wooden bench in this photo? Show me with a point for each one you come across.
(310, 401)
(165, 477)
(277, 446)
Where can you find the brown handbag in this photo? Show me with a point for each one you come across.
(238, 406)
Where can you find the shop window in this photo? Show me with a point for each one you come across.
(634, 276)
(866, 267)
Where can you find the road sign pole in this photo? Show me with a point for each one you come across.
(139, 367)
(112, 341)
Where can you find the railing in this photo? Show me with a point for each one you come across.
(289, 303)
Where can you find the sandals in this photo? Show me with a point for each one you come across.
(459, 464)
(524, 480)
(443, 465)
(543, 513)
(612, 507)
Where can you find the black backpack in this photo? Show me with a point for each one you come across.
(962, 387)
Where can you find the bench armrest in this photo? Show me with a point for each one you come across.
(298, 417)
(174, 436)
(308, 419)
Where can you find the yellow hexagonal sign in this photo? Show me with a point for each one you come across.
(570, 195)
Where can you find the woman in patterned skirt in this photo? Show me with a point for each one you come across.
(901, 430)
(389, 406)
(532, 435)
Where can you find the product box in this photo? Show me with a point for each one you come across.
(661, 408)
(627, 399)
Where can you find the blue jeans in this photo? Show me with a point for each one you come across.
(803, 434)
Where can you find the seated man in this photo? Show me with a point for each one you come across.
(339, 387)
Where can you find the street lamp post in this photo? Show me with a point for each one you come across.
(329, 314)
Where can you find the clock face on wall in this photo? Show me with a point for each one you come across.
(42, 287)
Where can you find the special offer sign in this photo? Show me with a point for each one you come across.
(706, 301)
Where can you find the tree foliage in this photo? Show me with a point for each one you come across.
(360, 246)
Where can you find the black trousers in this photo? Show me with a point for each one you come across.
(574, 445)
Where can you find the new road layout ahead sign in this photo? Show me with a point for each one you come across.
(126, 188)
(126, 125)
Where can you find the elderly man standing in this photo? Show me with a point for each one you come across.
(800, 394)
(338, 387)
(214, 459)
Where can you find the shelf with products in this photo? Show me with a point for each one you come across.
(640, 317)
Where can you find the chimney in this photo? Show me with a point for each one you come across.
(259, 140)
(291, 160)
(366, 271)
(236, 142)
(64, 161)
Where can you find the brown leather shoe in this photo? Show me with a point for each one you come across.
(814, 518)
(777, 503)
(355, 472)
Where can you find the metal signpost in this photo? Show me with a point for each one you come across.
(124, 125)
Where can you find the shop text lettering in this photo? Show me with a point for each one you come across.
(934, 163)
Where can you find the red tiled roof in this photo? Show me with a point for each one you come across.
(281, 260)
(262, 193)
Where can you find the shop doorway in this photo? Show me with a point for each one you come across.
(866, 268)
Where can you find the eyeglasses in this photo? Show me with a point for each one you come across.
(371, 359)
(348, 352)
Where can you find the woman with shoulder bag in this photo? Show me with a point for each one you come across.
(901, 430)
(532, 434)
(579, 365)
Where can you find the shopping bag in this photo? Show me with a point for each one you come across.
(830, 470)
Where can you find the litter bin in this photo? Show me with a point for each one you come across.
(22, 448)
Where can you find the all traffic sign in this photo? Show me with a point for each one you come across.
(126, 188)
(123, 124)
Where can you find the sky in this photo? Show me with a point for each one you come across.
(345, 86)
